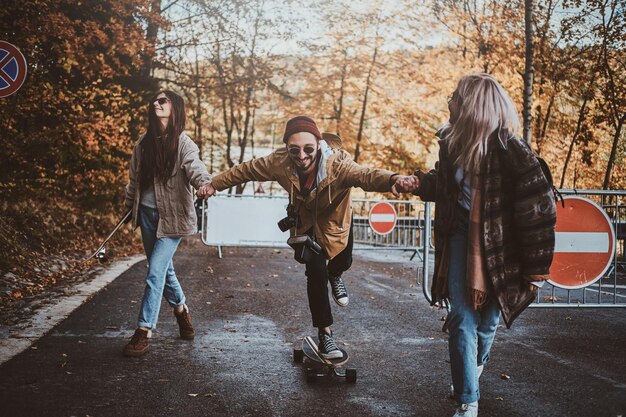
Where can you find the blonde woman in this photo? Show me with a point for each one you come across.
(494, 226)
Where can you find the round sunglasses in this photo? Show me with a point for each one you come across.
(295, 150)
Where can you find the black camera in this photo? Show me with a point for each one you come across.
(305, 248)
(291, 220)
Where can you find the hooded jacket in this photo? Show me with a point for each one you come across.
(328, 208)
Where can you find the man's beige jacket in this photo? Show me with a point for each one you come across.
(328, 208)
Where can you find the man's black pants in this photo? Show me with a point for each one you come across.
(317, 273)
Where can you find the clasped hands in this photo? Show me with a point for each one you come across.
(404, 184)
(206, 191)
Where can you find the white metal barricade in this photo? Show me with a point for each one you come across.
(251, 221)
(244, 221)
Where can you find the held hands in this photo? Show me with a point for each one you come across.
(206, 191)
(404, 184)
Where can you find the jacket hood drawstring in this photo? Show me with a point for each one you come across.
(329, 194)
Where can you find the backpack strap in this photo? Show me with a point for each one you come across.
(546, 172)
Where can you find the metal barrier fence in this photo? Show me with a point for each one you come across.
(406, 235)
(413, 232)
(609, 291)
(255, 224)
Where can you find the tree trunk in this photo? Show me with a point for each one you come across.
(359, 135)
(528, 71)
(338, 107)
(609, 167)
(152, 32)
(581, 118)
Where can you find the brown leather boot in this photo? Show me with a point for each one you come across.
(138, 345)
(184, 324)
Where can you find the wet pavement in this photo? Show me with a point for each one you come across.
(250, 310)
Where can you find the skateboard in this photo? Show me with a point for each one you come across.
(100, 253)
(321, 366)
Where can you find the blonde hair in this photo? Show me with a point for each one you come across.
(483, 108)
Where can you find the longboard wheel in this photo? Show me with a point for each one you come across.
(298, 355)
(351, 375)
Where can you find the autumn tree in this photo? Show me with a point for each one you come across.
(68, 132)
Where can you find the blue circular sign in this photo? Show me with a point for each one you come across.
(13, 69)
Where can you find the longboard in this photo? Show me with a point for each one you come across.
(100, 253)
(330, 366)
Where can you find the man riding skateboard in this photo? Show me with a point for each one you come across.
(319, 177)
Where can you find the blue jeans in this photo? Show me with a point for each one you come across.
(471, 332)
(161, 279)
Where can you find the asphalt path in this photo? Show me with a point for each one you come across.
(250, 311)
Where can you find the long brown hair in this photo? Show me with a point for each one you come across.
(160, 147)
(484, 108)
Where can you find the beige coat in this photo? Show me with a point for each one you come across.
(177, 215)
(337, 174)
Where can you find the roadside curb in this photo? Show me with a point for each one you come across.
(15, 341)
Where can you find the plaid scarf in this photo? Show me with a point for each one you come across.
(476, 271)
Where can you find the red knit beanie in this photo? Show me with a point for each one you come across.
(301, 124)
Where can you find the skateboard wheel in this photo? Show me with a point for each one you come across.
(298, 355)
(351, 375)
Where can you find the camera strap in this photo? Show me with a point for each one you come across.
(306, 189)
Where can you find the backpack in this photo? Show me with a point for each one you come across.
(546, 172)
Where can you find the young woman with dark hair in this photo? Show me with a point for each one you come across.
(164, 167)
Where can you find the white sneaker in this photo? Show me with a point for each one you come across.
(467, 410)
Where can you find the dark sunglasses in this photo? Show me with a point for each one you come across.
(455, 96)
(162, 100)
(295, 150)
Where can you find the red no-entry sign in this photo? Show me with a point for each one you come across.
(382, 218)
(12, 69)
(585, 244)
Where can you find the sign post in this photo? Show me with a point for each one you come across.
(382, 218)
(584, 244)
